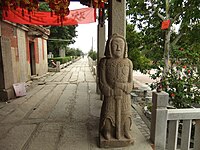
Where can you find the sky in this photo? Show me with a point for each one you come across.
(86, 33)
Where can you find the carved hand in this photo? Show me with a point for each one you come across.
(118, 91)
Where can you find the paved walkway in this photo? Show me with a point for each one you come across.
(143, 81)
(60, 113)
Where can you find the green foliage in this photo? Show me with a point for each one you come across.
(62, 36)
(92, 54)
(183, 80)
(135, 51)
(144, 15)
(43, 6)
(61, 59)
(73, 52)
(67, 33)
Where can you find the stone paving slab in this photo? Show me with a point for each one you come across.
(62, 114)
(45, 107)
(46, 137)
(17, 137)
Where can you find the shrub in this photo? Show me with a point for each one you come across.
(92, 54)
(182, 82)
(61, 59)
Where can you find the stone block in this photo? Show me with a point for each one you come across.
(103, 143)
(6, 94)
(160, 99)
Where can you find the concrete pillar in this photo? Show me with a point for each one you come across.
(160, 102)
(117, 17)
(100, 50)
(61, 52)
(101, 41)
(0, 28)
(58, 66)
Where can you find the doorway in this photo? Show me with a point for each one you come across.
(32, 58)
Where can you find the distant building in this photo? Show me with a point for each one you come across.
(23, 53)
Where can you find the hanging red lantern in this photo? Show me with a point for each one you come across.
(10, 4)
(102, 4)
(60, 8)
(30, 5)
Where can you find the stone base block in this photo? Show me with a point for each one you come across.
(6, 94)
(114, 143)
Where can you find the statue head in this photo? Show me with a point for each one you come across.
(116, 47)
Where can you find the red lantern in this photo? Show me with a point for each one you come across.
(60, 8)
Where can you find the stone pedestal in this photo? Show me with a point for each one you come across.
(103, 143)
(6, 94)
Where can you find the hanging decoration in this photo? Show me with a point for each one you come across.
(101, 5)
(29, 5)
(165, 24)
(78, 16)
(60, 8)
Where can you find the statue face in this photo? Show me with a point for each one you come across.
(117, 46)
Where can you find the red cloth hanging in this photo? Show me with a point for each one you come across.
(165, 24)
(78, 16)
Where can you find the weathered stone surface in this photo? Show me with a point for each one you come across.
(74, 137)
(4, 130)
(94, 100)
(116, 85)
(48, 103)
(64, 107)
(17, 137)
(115, 142)
(81, 100)
(46, 138)
(27, 107)
(72, 110)
(89, 77)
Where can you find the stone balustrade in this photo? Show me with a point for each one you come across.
(93, 65)
(165, 125)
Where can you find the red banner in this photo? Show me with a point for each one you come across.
(79, 16)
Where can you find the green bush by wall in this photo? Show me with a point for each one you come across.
(61, 59)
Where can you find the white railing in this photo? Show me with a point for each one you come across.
(92, 65)
(165, 125)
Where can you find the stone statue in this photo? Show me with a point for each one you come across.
(115, 81)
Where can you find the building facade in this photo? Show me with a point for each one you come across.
(23, 53)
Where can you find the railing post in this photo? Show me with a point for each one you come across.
(159, 119)
(197, 135)
(58, 66)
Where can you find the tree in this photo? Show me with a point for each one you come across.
(73, 52)
(148, 15)
(60, 36)
(182, 82)
(135, 50)
(180, 78)
(92, 54)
